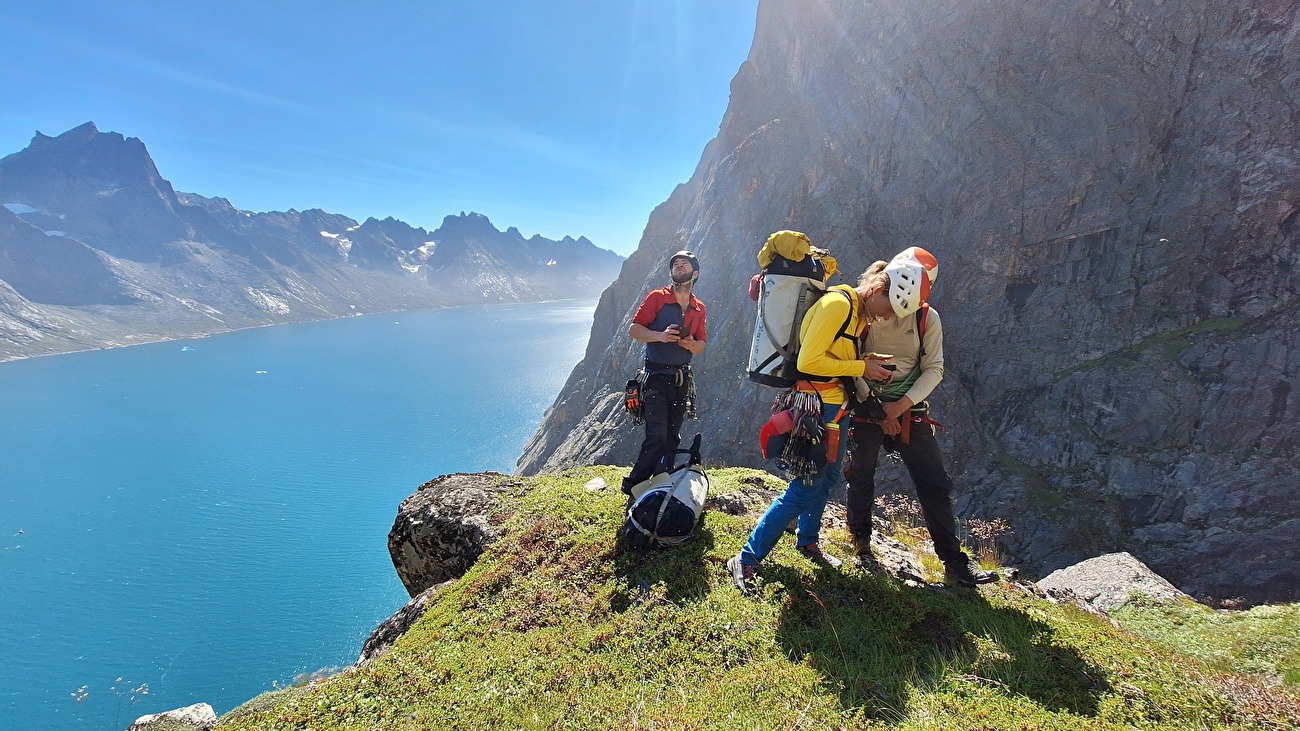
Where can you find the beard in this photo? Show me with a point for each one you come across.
(682, 278)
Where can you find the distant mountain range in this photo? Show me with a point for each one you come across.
(97, 250)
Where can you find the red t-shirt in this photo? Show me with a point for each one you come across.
(657, 312)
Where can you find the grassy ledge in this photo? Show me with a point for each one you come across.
(555, 628)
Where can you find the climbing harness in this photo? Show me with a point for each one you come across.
(634, 391)
(803, 443)
(798, 457)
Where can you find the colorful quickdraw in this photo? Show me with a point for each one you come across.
(799, 455)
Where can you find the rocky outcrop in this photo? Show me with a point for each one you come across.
(391, 629)
(99, 250)
(1111, 189)
(1107, 583)
(199, 716)
(442, 529)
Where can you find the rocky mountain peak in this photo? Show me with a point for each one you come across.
(89, 226)
(83, 180)
(85, 152)
(82, 132)
(466, 223)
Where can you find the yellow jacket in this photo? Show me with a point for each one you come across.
(821, 352)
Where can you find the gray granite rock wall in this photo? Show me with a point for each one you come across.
(1112, 190)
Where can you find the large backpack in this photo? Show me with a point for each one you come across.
(666, 508)
(782, 303)
(793, 278)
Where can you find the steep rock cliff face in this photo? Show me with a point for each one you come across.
(1112, 190)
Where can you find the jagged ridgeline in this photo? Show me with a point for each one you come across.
(1112, 191)
(97, 250)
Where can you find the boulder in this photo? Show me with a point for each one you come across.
(442, 528)
(197, 716)
(1108, 582)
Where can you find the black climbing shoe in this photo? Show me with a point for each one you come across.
(869, 564)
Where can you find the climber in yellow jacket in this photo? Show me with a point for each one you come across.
(828, 351)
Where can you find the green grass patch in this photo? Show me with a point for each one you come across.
(556, 628)
(1263, 641)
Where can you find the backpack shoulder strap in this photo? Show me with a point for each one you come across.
(841, 333)
(844, 329)
(920, 329)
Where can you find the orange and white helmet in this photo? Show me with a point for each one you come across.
(911, 273)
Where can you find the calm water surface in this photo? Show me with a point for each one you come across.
(208, 518)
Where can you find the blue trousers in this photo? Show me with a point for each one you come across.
(805, 497)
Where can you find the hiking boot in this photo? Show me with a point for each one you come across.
(814, 553)
(742, 574)
(861, 545)
(867, 562)
(967, 573)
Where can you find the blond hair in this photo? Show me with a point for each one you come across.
(874, 278)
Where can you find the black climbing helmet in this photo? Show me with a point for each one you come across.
(688, 256)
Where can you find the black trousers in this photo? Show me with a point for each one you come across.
(924, 463)
(665, 409)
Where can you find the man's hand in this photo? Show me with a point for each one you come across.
(895, 409)
(875, 367)
(892, 426)
(693, 346)
(671, 334)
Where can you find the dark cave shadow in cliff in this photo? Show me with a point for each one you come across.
(873, 639)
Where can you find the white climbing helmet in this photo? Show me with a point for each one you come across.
(911, 273)
(920, 256)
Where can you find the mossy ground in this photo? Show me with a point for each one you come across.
(1263, 641)
(556, 628)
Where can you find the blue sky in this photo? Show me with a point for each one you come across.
(565, 117)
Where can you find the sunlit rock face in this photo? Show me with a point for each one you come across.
(1111, 189)
(443, 527)
(97, 249)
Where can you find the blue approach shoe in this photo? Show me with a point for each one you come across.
(742, 574)
(967, 573)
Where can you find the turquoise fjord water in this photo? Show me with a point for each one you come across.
(208, 517)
